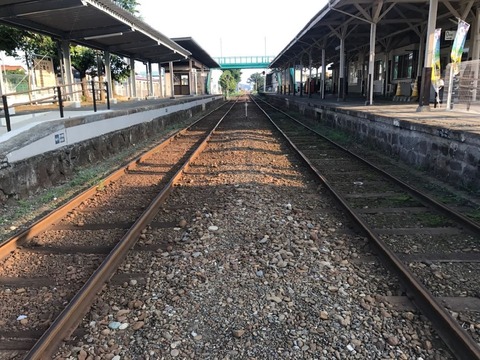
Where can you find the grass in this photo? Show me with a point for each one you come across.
(433, 220)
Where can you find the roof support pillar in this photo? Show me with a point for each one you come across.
(191, 78)
(371, 63)
(108, 73)
(421, 50)
(324, 73)
(309, 87)
(160, 81)
(172, 91)
(133, 82)
(67, 66)
(424, 103)
(476, 36)
(150, 79)
(342, 81)
(301, 77)
(476, 50)
(2, 90)
(294, 80)
(386, 72)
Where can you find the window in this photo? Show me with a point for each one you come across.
(403, 66)
(176, 80)
(184, 79)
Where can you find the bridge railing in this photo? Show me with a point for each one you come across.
(244, 61)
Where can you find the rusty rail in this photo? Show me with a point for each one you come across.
(456, 338)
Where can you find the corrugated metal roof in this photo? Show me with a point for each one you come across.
(401, 23)
(98, 24)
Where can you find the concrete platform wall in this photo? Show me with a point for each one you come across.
(453, 156)
(21, 178)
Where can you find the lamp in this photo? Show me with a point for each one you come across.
(103, 36)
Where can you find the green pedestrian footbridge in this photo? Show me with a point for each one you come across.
(244, 62)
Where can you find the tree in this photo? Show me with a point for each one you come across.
(84, 60)
(227, 82)
(129, 5)
(236, 74)
(257, 80)
(11, 39)
(119, 68)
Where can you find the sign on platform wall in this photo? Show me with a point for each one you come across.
(450, 34)
(43, 70)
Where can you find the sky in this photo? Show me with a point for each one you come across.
(244, 28)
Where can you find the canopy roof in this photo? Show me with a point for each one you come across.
(399, 23)
(197, 52)
(98, 24)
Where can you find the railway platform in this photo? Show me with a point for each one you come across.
(445, 142)
(458, 119)
(38, 129)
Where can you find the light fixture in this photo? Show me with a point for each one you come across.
(101, 36)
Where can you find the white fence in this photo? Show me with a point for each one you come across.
(462, 87)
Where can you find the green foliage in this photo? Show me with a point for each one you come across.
(227, 82)
(39, 45)
(258, 80)
(119, 68)
(84, 60)
(129, 5)
(236, 74)
(15, 72)
(11, 39)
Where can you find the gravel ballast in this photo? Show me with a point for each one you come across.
(261, 265)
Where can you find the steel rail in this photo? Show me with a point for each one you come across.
(455, 337)
(472, 225)
(69, 319)
(43, 223)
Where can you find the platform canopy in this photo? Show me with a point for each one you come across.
(98, 24)
(399, 23)
(201, 57)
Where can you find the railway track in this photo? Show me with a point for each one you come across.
(433, 249)
(78, 248)
(51, 272)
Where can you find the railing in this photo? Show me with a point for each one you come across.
(245, 62)
(462, 87)
(53, 94)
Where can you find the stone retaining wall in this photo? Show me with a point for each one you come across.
(23, 178)
(453, 156)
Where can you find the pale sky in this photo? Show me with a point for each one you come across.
(246, 28)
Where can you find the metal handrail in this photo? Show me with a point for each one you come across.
(58, 96)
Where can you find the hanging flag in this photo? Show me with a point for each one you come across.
(437, 82)
(458, 43)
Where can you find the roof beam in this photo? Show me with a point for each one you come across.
(37, 7)
(33, 26)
